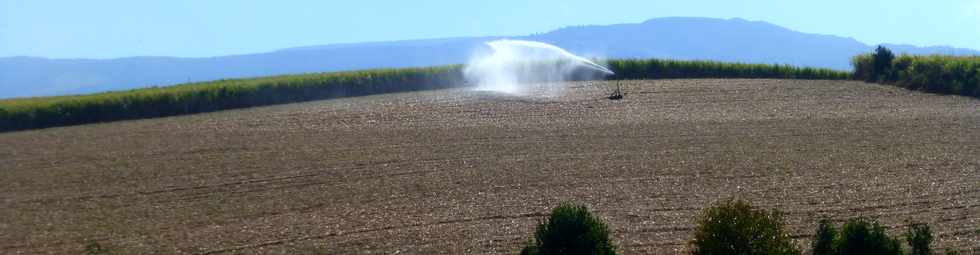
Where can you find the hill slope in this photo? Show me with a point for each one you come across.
(681, 38)
(466, 172)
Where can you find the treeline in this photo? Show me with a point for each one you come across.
(674, 69)
(42, 112)
(733, 227)
(956, 75)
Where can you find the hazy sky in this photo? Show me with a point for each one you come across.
(119, 28)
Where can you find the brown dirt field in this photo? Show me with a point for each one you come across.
(464, 172)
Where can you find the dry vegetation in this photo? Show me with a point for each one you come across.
(459, 172)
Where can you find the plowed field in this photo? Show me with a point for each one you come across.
(469, 172)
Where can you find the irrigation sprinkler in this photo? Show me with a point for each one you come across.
(617, 94)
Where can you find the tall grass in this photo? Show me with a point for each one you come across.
(956, 75)
(41, 112)
(670, 69)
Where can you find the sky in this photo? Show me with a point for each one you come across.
(192, 28)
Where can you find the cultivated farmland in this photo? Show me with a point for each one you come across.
(460, 172)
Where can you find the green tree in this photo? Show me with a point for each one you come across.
(861, 236)
(882, 64)
(735, 227)
(823, 241)
(919, 237)
(571, 229)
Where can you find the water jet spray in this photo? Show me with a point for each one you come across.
(513, 66)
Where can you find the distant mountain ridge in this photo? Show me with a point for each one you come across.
(735, 40)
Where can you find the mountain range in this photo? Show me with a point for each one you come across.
(734, 40)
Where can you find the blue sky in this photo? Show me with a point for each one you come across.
(120, 28)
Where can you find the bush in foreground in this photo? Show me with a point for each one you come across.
(735, 227)
(861, 236)
(919, 237)
(865, 236)
(730, 227)
(823, 243)
(571, 229)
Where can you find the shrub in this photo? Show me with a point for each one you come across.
(823, 241)
(919, 237)
(735, 227)
(864, 236)
(571, 229)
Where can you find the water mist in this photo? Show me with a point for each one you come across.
(515, 66)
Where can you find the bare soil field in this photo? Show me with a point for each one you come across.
(469, 172)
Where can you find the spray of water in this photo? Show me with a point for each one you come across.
(514, 66)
